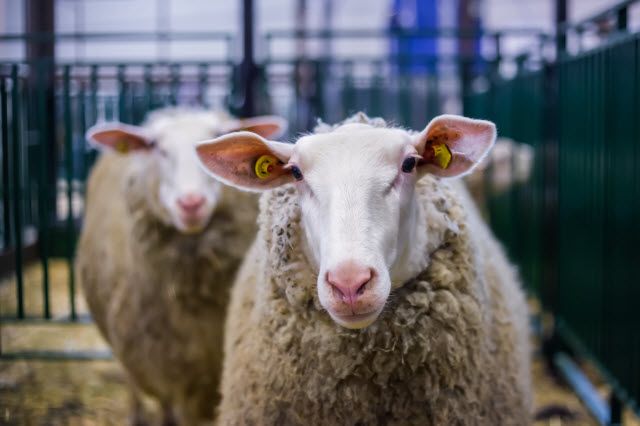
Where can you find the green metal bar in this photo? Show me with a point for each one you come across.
(203, 83)
(348, 90)
(57, 355)
(68, 150)
(148, 87)
(43, 190)
(376, 106)
(6, 187)
(122, 94)
(175, 84)
(427, 33)
(38, 320)
(82, 124)
(120, 36)
(622, 19)
(93, 89)
(17, 190)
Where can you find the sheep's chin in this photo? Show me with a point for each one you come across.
(190, 227)
(355, 322)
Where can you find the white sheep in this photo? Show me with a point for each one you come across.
(373, 293)
(159, 248)
(509, 164)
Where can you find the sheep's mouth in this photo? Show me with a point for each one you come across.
(355, 321)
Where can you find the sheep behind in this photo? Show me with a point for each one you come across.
(156, 275)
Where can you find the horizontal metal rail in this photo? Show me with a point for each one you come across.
(384, 34)
(57, 355)
(130, 36)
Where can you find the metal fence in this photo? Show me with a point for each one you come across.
(574, 229)
(45, 158)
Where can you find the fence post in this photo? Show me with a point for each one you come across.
(561, 31)
(40, 25)
(248, 69)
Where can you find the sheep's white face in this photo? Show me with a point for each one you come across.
(357, 212)
(356, 186)
(186, 194)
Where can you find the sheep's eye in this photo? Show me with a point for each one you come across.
(408, 164)
(295, 171)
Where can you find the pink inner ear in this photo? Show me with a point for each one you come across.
(232, 158)
(468, 140)
(119, 140)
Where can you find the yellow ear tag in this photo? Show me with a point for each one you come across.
(442, 155)
(122, 146)
(264, 166)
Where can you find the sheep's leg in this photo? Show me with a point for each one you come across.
(138, 416)
(168, 416)
(194, 410)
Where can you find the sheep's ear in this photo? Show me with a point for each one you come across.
(451, 145)
(246, 160)
(119, 137)
(267, 126)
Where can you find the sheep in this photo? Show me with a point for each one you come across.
(510, 163)
(373, 293)
(159, 248)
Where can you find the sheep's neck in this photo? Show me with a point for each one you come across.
(412, 246)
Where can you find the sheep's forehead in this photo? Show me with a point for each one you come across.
(359, 148)
(184, 132)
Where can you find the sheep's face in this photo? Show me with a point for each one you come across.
(182, 192)
(357, 197)
(185, 193)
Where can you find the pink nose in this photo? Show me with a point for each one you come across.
(349, 281)
(191, 202)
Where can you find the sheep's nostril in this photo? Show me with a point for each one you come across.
(191, 202)
(349, 281)
(338, 292)
(362, 288)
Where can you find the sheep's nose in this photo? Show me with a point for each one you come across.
(191, 202)
(349, 281)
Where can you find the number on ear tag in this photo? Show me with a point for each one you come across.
(441, 155)
(264, 166)
(122, 146)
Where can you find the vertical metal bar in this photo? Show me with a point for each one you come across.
(68, 151)
(376, 102)
(93, 88)
(615, 410)
(561, 20)
(90, 155)
(248, 66)
(203, 84)
(82, 123)
(17, 194)
(175, 84)
(43, 191)
(122, 94)
(40, 51)
(622, 19)
(148, 87)
(6, 195)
